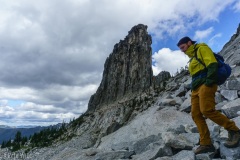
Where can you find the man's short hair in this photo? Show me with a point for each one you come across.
(185, 40)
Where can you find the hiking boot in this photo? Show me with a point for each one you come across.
(233, 139)
(204, 149)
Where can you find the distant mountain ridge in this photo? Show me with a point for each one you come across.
(9, 132)
(28, 126)
(4, 126)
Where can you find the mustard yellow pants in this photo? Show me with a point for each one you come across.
(203, 105)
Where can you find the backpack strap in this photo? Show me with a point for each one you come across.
(202, 73)
(195, 55)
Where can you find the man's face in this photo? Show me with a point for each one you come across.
(184, 47)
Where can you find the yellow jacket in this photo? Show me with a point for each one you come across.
(205, 55)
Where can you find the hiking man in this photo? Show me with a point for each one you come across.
(204, 87)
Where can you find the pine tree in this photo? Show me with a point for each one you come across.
(18, 137)
(3, 144)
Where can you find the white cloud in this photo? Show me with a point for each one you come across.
(34, 114)
(167, 60)
(237, 6)
(213, 40)
(201, 34)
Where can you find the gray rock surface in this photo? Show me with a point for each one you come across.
(231, 50)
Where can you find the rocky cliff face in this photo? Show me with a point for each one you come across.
(128, 69)
(231, 50)
(145, 118)
(126, 89)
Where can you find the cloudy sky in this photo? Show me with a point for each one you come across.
(53, 52)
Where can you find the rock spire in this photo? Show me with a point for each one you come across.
(127, 70)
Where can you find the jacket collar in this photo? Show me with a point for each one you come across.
(190, 51)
